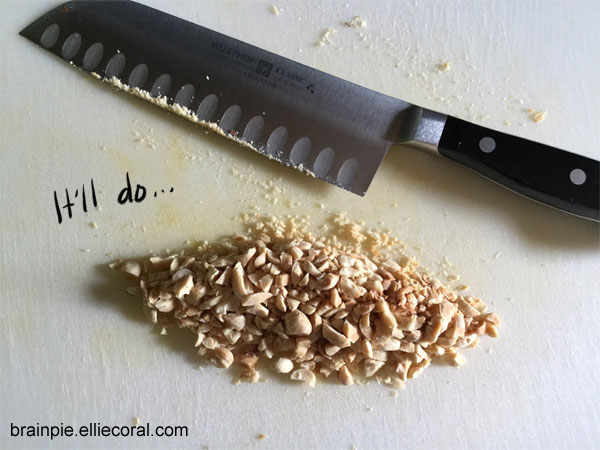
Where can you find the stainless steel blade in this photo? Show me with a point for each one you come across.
(300, 116)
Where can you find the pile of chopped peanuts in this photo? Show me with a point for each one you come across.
(309, 307)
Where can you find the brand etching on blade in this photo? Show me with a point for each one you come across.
(263, 72)
(264, 68)
(292, 79)
(289, 78)
(243, 61)
(233, 53)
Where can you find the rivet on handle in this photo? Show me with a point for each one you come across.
(487, 144)
(577, 177)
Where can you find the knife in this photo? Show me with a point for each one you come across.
(304, 118)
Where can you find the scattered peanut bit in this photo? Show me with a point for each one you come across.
(284, 365)
(222, 357)
(275, 10)
(456, 359)
(539, 116)
(444, 66)
(132, 268)
(262, 437)
(345, 376)
(297, 324)
(315, 306)
(136, 421)
(462, 287)
(325, 38)
(305, 375)
(356, 22)
(250, 376)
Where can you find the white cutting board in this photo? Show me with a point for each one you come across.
(76, 350)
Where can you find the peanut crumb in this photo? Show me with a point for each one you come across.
(325, 38)
(456, 359)
(262, 437)
(94, 225)
(462, 287)
(356, 22)
(443, 67)
(539, 116)
(136, 421)
(275, 10)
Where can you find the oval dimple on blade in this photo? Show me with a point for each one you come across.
(185, 96)
(276, 141)
(323, 162)
(115, 66)
(207, 108)
(161, 86)
(71, 46)
(138, 76)
(347, 172)
(254, 129)
(300, 151)
(92, 56)
(231, 118)
(50, 36)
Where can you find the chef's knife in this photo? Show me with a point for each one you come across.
(304, 118)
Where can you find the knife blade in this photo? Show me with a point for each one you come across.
(315, 122)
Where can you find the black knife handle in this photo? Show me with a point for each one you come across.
(549, 175)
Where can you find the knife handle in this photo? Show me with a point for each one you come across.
(549, 175)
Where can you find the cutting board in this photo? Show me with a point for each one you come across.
(76, 349)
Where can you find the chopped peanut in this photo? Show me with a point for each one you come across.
(311, 306)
